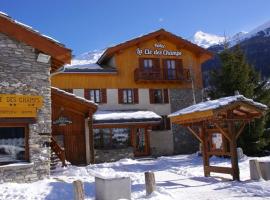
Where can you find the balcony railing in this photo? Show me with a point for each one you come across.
(162, 75)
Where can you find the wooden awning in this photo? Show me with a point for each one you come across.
(241, 107)
(224, 118)
(72, 102)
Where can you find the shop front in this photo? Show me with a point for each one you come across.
(122, 134)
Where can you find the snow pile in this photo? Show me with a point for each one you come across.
(214, 104)
(177, 177)
(206, 40)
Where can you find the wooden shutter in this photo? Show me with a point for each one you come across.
(120, 96)
(103, 95)
(156, 63)
(166, 95)
(165, 69)
(151, 96)
(87, 94)
(135, 95)
(179, 68)
(141, 63)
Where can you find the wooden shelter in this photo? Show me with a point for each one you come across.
(217, 124)
(72, 133)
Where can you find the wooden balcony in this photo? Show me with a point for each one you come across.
(161, 75)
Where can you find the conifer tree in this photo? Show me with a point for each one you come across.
(236, 74)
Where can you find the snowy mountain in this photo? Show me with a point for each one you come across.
(256, 46)
(86, 60)
(206, 40)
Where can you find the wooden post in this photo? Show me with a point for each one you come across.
(150, 182)
(91, 139)
(233, 150)
(78, 190)
(204, 135)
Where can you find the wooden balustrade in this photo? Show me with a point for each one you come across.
(58, 151)
(163, 74)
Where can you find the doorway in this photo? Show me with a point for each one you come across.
(141, 147)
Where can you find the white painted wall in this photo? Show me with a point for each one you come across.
(144, 103)
(78, 92)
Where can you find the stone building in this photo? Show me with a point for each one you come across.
(26, 60)
(138, 83)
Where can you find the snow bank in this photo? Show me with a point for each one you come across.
(177, 177)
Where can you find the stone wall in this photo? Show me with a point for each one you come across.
(111, 155)
(184, 142)
(20, 73)
(161, 143)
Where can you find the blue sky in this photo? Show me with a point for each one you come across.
(85, 25)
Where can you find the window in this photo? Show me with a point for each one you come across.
(128, 96)
(96, 95)
(112, 138)
(165, 124)
(147, 63)
(158, 96)
(13, 144)
(171, 69)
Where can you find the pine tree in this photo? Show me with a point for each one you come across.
(236, 74)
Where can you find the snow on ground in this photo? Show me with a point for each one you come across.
(177, 177)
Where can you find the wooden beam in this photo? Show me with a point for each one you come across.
(195, 134)
(241, 129)
(223, 132)
(223, 170)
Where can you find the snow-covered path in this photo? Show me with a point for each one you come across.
(177, 177)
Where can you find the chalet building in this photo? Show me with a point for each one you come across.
(30, 108)
(136, 85)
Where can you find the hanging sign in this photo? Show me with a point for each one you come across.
(158, 51)
(62, 121)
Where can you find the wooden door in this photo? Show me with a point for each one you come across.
(141, 141)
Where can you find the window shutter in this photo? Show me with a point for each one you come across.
(103, 95)
(166, 95)
(87, 94)
(136, 95)
(156, 63)
(120, 96)
(165, 69)
(151, 96)
(141, 63)
(179, 68)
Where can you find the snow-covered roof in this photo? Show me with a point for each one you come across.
(87, 62)
(218, 103)
(122, 116)
(74, 96)
(5, 15)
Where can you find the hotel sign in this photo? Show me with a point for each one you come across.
(158, 51)
(12, 106)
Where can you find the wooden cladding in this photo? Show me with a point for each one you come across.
(158, 96)
(128, 96)
(96, 95)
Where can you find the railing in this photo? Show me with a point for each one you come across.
(58, 151)
(162, 74)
